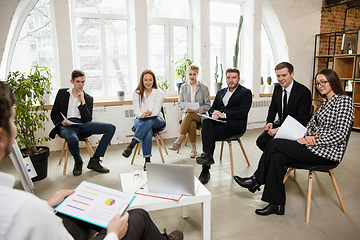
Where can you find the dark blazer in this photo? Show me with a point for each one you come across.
(237, 108)
(298, 106)
(61, 106)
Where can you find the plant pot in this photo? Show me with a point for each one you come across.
(40, 163)
(179, 86)
(268, 89)
(262, 88)
(217, 87)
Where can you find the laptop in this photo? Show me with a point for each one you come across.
(171, 178)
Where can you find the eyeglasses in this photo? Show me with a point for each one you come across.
(321, 83)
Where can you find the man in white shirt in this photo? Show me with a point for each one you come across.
(24, 216)
(76, 105)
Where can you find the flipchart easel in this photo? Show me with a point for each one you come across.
(23, 169)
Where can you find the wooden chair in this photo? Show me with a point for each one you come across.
(312, 169)
(157, 135)
(65, 150)
(229, 140)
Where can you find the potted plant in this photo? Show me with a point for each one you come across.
(218, 84)
(269, 87)
(162, 84)
(180, 70)
(237, 43)
(30, 117)
(262, 86)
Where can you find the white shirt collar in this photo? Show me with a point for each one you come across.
(288, 89)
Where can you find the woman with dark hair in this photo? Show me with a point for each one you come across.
(191, 91)
(147, 101)
(323, 143)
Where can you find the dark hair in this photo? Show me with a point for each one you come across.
(283, 65)
(335, 85)
(232, 70)
(141, 86)
(7, 101)
(77, 73)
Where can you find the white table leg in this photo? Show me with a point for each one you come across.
(206, 220)
(185, 211)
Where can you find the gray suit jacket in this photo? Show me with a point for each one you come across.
(202, 96)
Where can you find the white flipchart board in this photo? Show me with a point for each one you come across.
(21, 168)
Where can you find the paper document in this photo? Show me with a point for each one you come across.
(95, 204)
(144, 190)
(291, 129)
(190, 105)
(149, 117)
(205, 116)
(67, 120)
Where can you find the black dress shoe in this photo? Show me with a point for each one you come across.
(271, 209)
(204, 177)
(205, 159)
(249, 183)
(127, 152)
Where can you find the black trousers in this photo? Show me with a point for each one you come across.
(264, 138)
(140, 227)
(213, 131)
(271, 170)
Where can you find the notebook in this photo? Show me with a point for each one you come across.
(171, 178)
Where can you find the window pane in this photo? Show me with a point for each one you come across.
(35, 39)
(224, 12)
(230, 45)
(117, 56)
(169, 8)
(89, 53)
(157, 50)
(215, 50)
(101, 6)
(267, 57)
(180, 41)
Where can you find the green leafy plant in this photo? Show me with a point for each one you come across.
(162, 83)
(30, 117)
(262, 80)
(269, 80)
(237, 43)
(181, 67)
(216, 75)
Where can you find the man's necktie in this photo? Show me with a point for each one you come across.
(284, 103)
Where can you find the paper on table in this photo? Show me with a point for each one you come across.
(190, 105)
(205, 116)
(291, 129)
(68, 121)
(144, 190)
(95, 204)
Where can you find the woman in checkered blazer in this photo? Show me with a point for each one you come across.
(323, 144)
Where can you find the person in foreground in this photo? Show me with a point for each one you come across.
(323, 143)
(77, 106)
(289, 98)
(192, 91)
(147, 101)
(25, 216)
(231, 104)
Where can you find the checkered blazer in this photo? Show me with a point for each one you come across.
(331, 123)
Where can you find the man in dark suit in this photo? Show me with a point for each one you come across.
(232, 105)
(76, 105)
(297, 103)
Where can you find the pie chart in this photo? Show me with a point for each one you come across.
(110, 201)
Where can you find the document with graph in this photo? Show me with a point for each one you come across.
(95, 204)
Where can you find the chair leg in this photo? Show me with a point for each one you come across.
(287, 174)
(139, 148)
(66, 159)
(231, 158)
(158, 144)
(89, 148)
(221, 150)
(162, 142)
(331, 173)
(308, 205)
(136, 147)
(243, 150)
(186, 139)
(295, 175)
(62, 151)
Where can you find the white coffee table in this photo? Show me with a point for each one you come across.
(129, 184)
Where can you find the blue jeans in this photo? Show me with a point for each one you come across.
(144, 132)
(71, 133)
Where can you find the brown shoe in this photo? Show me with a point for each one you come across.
(175, 146)
(94, 164)
(175, 235)
(77, 171)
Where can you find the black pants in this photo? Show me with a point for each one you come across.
(213, 131)
(263, 140)
(271, 170)
(140, 227)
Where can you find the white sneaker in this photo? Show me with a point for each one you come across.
(193, 153)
